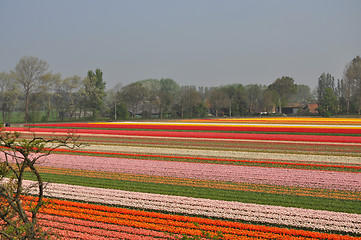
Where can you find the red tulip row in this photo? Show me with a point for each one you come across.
(221, 144)
(207, 127)
(209, 135)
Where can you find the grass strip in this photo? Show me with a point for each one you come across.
(336, 205)
(246, 187)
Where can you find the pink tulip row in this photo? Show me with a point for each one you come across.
(82, 229)
(259, 175)
(294, 217)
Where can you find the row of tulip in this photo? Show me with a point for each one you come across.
(233, 144)
(284, 120)
(350, 181)
(346, 163)
(300, 161)
(176, 168)
(174, 224)
(195, 134)
(73, 228)
(197, 183)
(239, 127)
(222, 144)
(293, 217)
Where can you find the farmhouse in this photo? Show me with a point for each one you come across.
(294, 108)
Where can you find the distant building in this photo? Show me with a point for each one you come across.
(295, 108)
(313, 108)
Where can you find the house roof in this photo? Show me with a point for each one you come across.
(311, 106)
(295, 105)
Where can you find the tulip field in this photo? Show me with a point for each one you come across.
(246, 178)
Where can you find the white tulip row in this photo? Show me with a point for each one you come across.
(228, 154)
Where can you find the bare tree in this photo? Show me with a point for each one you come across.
(284, 87)
(28, 72)
(20, 156)
(218, 100)
(46, 90)
(133, 95)
(254, 94)
(189, 98)
(8, 95)
(353, 81)
(66, 93)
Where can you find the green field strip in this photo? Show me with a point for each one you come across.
(337, 205)
(237, 186)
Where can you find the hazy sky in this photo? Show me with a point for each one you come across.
(194, 42)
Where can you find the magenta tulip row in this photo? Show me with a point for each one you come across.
(259, 175)
(293, 217)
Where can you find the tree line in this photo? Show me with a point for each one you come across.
(31, 88)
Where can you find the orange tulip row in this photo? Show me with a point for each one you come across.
(249, 187)
(173, 223)
(105, 229)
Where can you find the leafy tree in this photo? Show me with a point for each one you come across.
(324, 81)
(218, 100)
(67, 96)
(188, 101)
(254, 94)
(133, 95)
(122, 111)
(167, 94)
(269, 97)
(161, 95)
(151, 103)
(348, 90)
(329, 104)
(94, 87)
(116, 107)
(200, 110)
(325, 98)
(150, 84)
(353, 76)
(301, 95)
(238, 99)
(111, 102)
(231, 91)
(47, 85)
(28, 73)
(8, 95)
(284, 87)
(20, 219)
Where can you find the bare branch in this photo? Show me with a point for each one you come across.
(22, 155)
